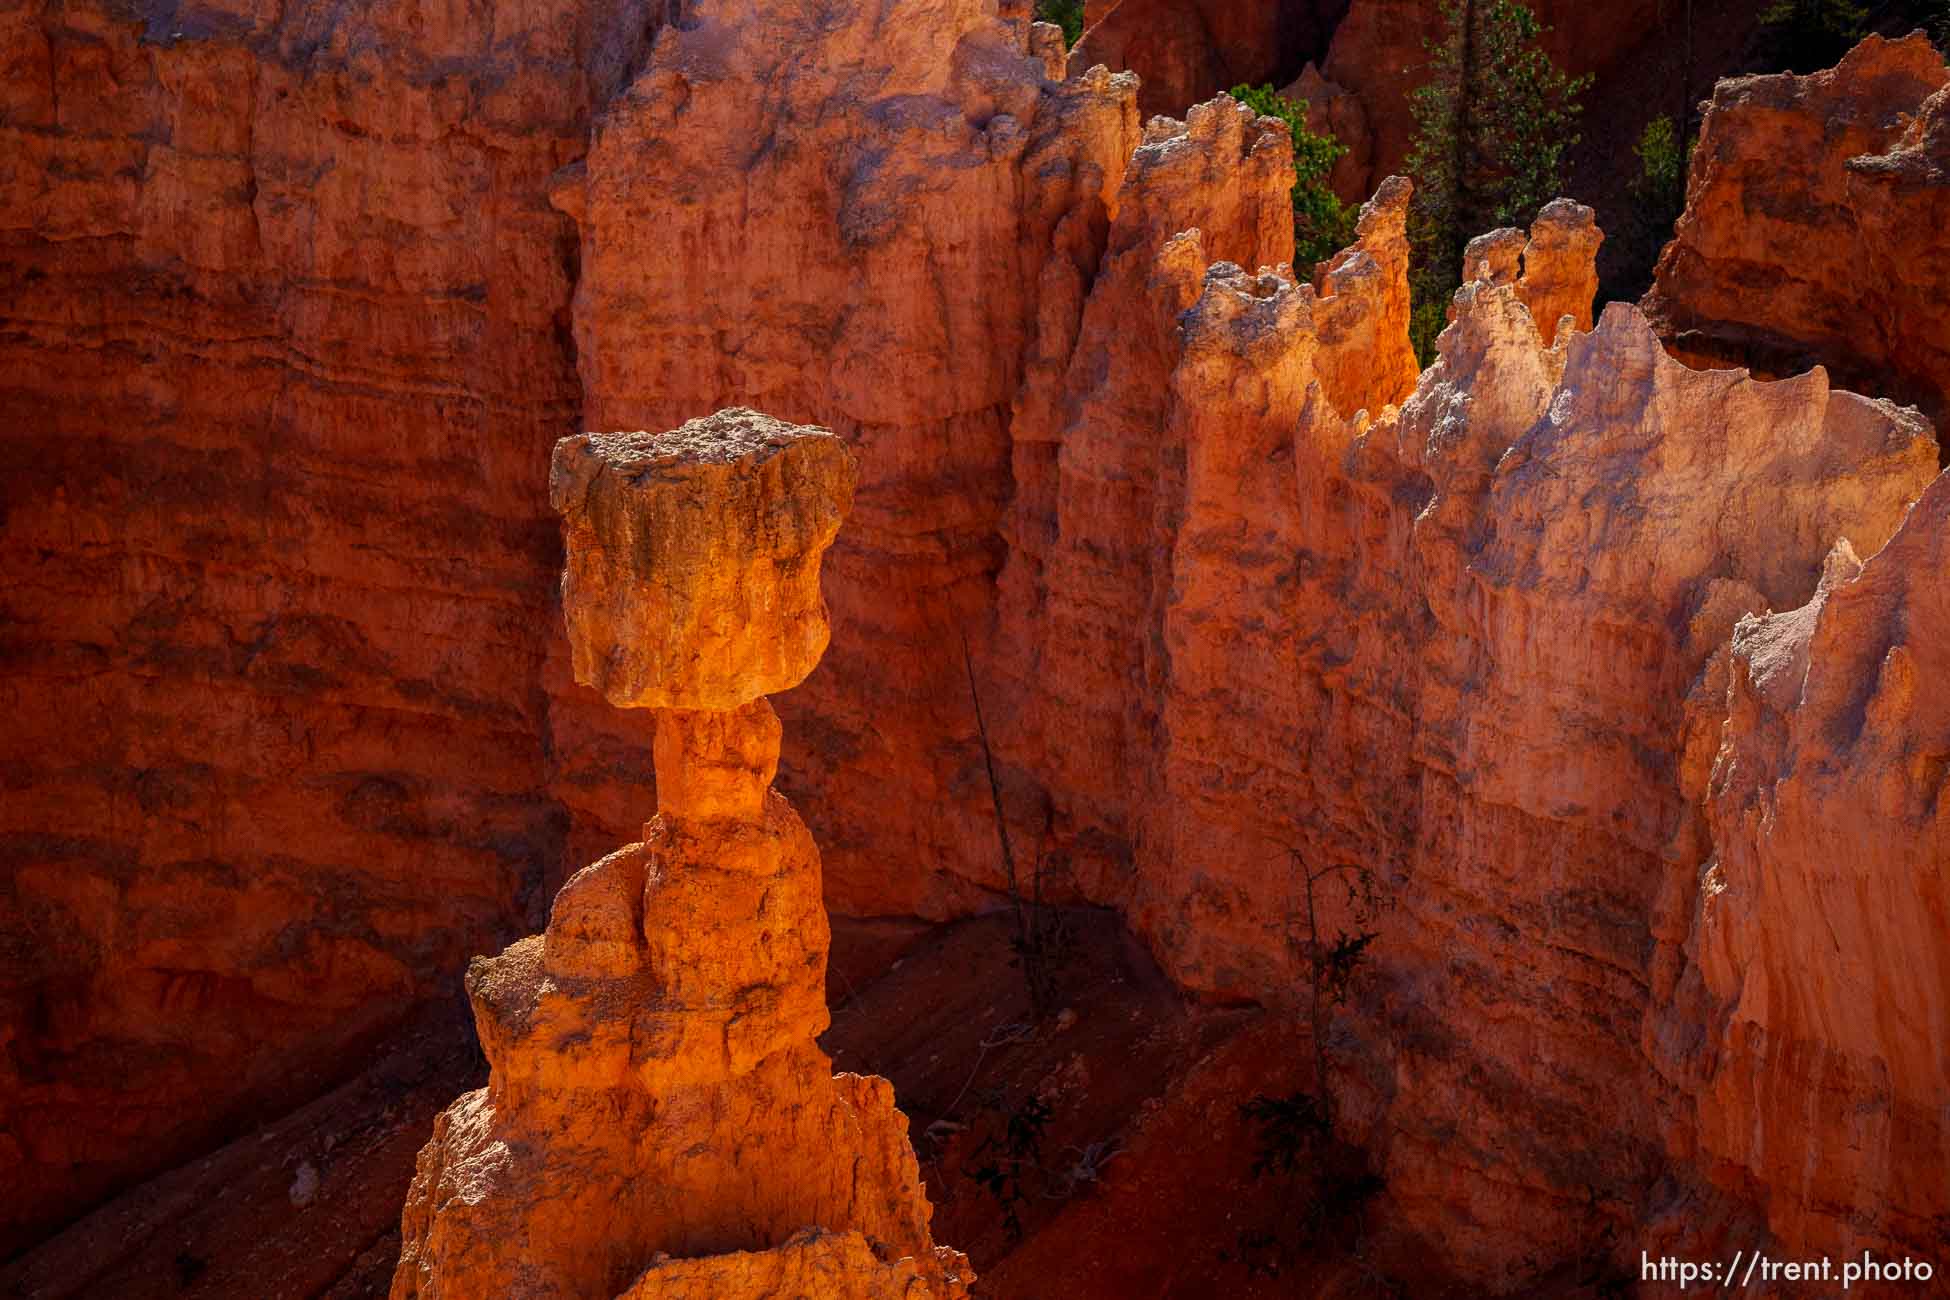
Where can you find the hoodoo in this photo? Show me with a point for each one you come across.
(659, 1121)
(1344, 756)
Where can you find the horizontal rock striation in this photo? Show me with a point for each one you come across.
(282, 352)
(826, 269)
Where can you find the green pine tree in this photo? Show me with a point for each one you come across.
(1494, 124)
(1067, 14)
(1322, 224)
(1660, 186)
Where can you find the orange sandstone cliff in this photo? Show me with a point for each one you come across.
(1812, 226)
(1821, 934)
(283, 349)
(888, 242)
(658, 1121)
(1613, 671)
(1455, 641)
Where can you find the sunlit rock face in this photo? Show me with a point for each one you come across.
(1258, 590)
(1811, 223)
(1599, 518)
(693, 578)
(909, 214)
(1457, 641)
(1817, 955)
(659, 1121)
(1820, 932)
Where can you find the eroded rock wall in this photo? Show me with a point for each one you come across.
(905, 204)
(1810, 230)
(1579, 575)
(283, 344)
(1821, 932)
(1072, 669)
(1454, 643)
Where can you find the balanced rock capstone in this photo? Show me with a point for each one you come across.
(659, 1120)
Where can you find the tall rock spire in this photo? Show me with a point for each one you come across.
(659, 1121)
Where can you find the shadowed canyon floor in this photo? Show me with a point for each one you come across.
(1136, 1069)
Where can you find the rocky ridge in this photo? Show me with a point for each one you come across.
(1453, 642)
(1820, 932)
